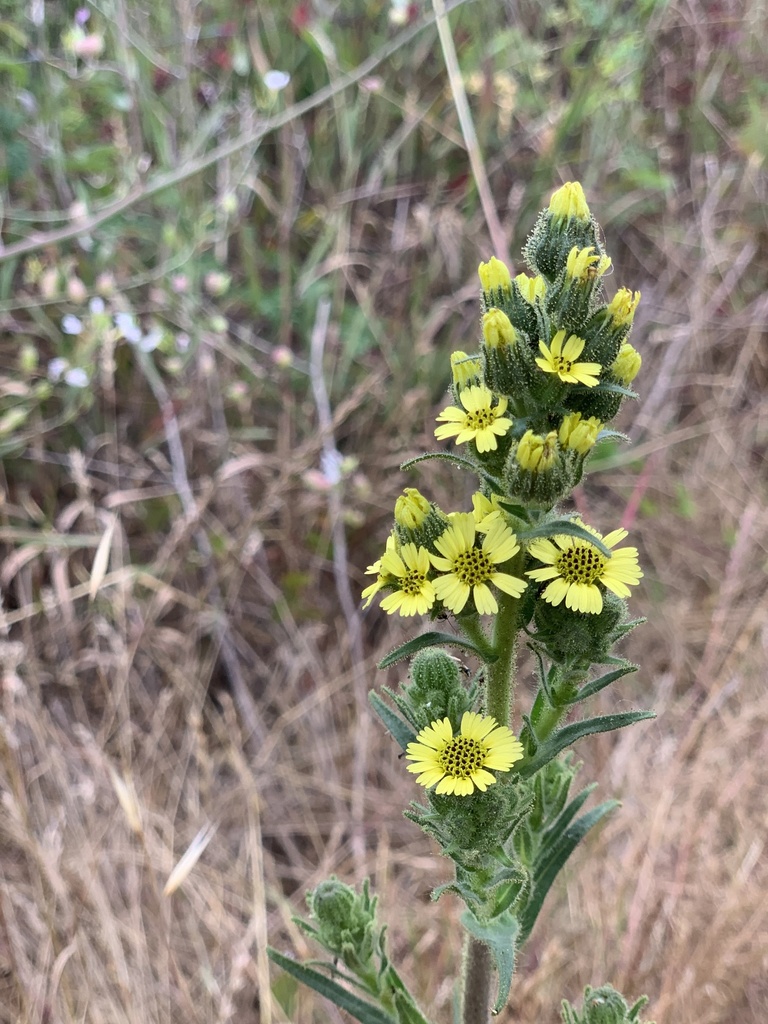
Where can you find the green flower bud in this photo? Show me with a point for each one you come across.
(603, 1005)
(580, 639)
(600, 404)
(510, 370)
(345, 920)
(435, 690)
(471, 828)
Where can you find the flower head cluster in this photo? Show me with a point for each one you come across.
(480, 420)
(458, 764)
(573, 568)
(560, 358)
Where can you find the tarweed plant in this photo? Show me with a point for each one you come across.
(527, 409)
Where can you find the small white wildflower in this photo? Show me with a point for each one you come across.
(96, 305)
(276, 80)
(57, 368)
(70, 324)
(77, 377)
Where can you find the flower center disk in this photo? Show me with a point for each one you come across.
(472, 567)
(462, 756)
(581, 564)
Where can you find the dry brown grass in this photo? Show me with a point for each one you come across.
(227, 688)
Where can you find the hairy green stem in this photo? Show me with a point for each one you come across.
(501, 672)
(500, 687)
(476, 991)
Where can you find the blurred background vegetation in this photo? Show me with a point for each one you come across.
(239, 242)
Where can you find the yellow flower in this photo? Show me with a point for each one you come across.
(408, 568)
(627, 364)
(480, 421)
(575, 567)
(497, 329)
(494, 274)
(570, 203)
(622, 307)
(536, 453)
(411, 509)
(560, 359)
(579, 433)
(382, 577)
(585, 263)
(459, 764)
(486, 511)
(469, 569)
(531, 288)
(465, 369)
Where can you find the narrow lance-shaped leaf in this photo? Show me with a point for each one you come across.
(590, 689)
(546, 871)
(567, 736)
(401, 732)
(560, 527)
(431, 639)
(458, 460)
(366, 1013)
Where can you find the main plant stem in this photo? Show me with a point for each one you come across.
(476, 994)
(499, 695)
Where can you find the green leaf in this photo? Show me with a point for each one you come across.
(567, 736)
(590, 689)
(557, 854)
(457, 460)
(500, 935)
(432, 639)
(556, 527)
(401, 733)
(366, 1013)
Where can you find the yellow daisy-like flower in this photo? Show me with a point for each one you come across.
(486, 511)
(408, 569)
(382, 577)
(457, 764)
(560, 359)
(575, 567)
(470, 569)
(480, 421)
